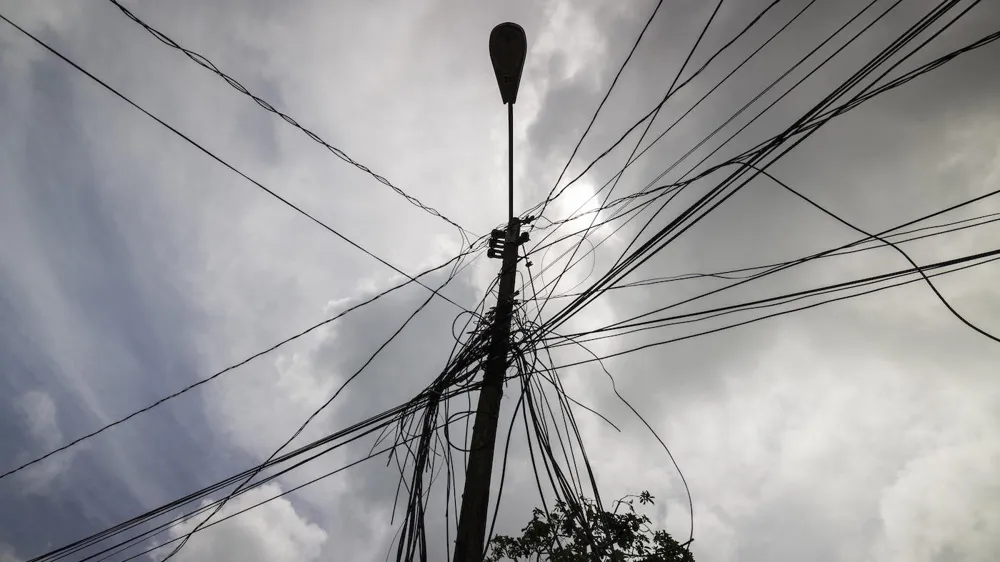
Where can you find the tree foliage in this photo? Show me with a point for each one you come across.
(585, 533)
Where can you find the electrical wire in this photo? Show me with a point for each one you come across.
(423, 446)
(600, 106)
(892, 245)
(681, 224)
(993, 255)
(207, 64)
(221, 372)
(218, 159)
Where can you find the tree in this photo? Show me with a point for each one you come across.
(562, 535)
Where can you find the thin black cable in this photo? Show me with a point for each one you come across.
(894, 246)
(259, 504)
(553, 381)
(398, 411)
(669, 93)
(684, 115)
(569, 422)
(770, 86)
(652, 113)
(567, 414)
(846, 107)
(735, 274)
(767, 302)
(601, 105)
(895, 83)
(370, 456)
(995, 254)
(760, 94)
(736, 69)
(660, 240)
(772, 37)
(118, 548)
(373, 423)
(732, 178)
(204, 62)
(314, 414)
(217, 374)
(895, 46)
(614, 388)
(785, 265)
(218, 159)
(308, 330)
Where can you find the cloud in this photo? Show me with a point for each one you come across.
(39, 415)
(892, 455)
(132, 265)
(275, 532)
(7, 554)
(945, 505)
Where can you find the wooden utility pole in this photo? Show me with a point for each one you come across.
(507, 51)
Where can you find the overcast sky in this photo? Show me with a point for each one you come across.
(132, 264)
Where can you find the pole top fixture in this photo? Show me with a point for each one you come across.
(508, 47)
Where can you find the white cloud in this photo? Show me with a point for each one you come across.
(895, 459)
(945, 505)
(273, 532)
(40, 415)
(7, 553)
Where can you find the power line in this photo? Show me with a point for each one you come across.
(894, 246)
(718, 190)
(786, 265)
(614, 82)
(902, 80)
(770, 86)
(744, 272)
(445, 387)
(993, 255)
(313, 415)
(651, 116)
(705, 204)
(555, 376)
(867, 69)
(708, 314)
(219, 373)
(791, 131)
(218, 159)
(416, 423)
(257, 184)
(633, 160)
(371, 424)
(669, 93)
(694, 106)
(204, 62)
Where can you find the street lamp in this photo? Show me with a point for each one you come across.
(508, 47)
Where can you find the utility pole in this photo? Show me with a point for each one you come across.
(508, 47)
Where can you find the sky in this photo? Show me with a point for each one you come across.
(132, 265)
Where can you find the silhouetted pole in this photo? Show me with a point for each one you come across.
(507, 51)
